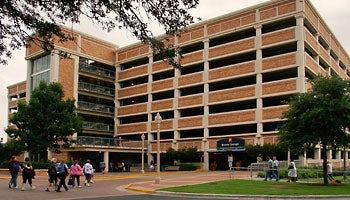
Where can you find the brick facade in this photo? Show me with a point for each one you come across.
(236, 71)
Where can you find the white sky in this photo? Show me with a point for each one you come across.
(335, 13)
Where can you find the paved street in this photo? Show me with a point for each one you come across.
(136, 186)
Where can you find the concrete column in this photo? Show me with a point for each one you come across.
(258, 140)
(317, 154)
(299, 34)
(106, 160)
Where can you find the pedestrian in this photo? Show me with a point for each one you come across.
(28, 174)
(111, 166)
(292, 171)
(275, 166)
(75, 172)
(330, 171)
(62, 173)
(14, 168)
(52, 173)
(102, 166)
(88, 172)
(269, 171)
(151, 165)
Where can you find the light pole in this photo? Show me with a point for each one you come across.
(143, 155)
(158, 120)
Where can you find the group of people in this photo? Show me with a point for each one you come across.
(58, 171)
(28, 173)
(272, 170)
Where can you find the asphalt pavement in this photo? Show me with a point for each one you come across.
(120, 184)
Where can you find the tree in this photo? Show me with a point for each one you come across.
(19, 19)
(318, 117)
(46, 122)
(9, 149)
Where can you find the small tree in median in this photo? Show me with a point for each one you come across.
(319, 116)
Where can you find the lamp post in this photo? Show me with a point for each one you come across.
(143, 155)
(158, 120)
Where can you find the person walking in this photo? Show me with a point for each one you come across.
(75, 172)
(330, 171)
(102, 166)
(28, 174)
(14, 168)
(275, 166)
(62, 172)
(292, 172)
(269, 172)
(88, 171)
(52, 173)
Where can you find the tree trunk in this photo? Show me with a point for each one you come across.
(324, 164)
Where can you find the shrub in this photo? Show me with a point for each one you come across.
(187, 167)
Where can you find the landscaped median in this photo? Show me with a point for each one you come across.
(258, 187)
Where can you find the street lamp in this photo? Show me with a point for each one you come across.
(143, 156)
(158, 120)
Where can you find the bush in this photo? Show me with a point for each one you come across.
(4, 164)
(187, 167)
(40, 164)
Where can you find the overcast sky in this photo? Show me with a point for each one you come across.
(335, 13)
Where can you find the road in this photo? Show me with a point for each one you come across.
(106, 188)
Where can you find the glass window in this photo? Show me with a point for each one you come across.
(40, 70)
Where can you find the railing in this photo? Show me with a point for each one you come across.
(96, 70)
(95, 107)
(98, 126)
(110, 142)
(308, 175)
(96, 88)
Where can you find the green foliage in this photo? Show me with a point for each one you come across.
(189, 154)
(319, 116)
(40, 164)
(172, 15)
(253, 151)
(9, 149)
(187, 167)
(46, 121)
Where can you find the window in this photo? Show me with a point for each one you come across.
(40, 71)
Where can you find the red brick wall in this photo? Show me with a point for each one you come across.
(66, 76)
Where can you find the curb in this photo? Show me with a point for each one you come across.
(129, 187)
(252, 197)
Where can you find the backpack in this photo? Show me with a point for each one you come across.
(52, 169)
(15, 166)
(61, 168)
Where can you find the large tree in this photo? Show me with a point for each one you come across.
(20, 18)
(46, 122)
(318, 117)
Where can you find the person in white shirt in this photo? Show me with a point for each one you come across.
(275, 166)
(330, 171)
(88, 172)
(292, 171)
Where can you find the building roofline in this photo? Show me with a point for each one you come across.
(15, 84)
(94, 38)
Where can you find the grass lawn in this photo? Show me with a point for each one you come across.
(263, 188)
